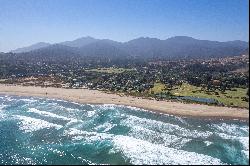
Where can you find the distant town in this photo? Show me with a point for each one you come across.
(217, 81)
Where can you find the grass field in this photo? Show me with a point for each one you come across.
(229, 98)
(110, 70)
(158, 87)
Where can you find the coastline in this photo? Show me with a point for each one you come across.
(86, 96)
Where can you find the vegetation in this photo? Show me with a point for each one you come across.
(110, 70)
(158, 88)
(235, 97)
(158, 78)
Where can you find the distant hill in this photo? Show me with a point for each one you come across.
(55, 52)
(103, 48)
(246, 52)
(32, 47)
(184, 47)
(80, 42)
(144, 47)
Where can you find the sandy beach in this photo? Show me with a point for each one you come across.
(97, 97)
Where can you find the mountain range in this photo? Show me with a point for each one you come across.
(32, 47)
(143, 47)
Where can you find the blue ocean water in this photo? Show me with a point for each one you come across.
(45, 131)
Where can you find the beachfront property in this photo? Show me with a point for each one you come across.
(224, 80)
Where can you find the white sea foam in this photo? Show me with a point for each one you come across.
(64, 101)
(48, 114)
(71, 109)
(246, 153)
(2, 106)
(105, 126)
(84, 160)
(134, 108)
(108, 106)
(58, 100)
(113, 106)
(245, 143)
(17, 159)
(86, 135)
(164, 127)
(100, 137)
(2, 115)
(58, 152)
(29, 100)
(143, 152)
(149, 123)
(231, 129)
(181, 120)
(208, 143)
(228, 135)
(197, 134)
(245, 128)
(243, 140)
(8, 98)
(144, 110)
(74, 123)
(91, 113)
(58, 106)
(157, 137)
(76, 103)
(74, 132)
(29, 124)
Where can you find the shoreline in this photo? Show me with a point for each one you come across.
(86, 96)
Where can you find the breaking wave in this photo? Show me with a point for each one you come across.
(44, 131)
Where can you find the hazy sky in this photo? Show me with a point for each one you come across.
(25, 22)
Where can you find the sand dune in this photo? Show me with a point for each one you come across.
(98, 97)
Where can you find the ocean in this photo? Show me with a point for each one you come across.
(49, 131)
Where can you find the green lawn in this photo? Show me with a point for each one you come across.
(110, 70)
(158, 87)
(229, 98)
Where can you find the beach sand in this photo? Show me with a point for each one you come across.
(97, 97)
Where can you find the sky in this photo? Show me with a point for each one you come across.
(25, 22)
